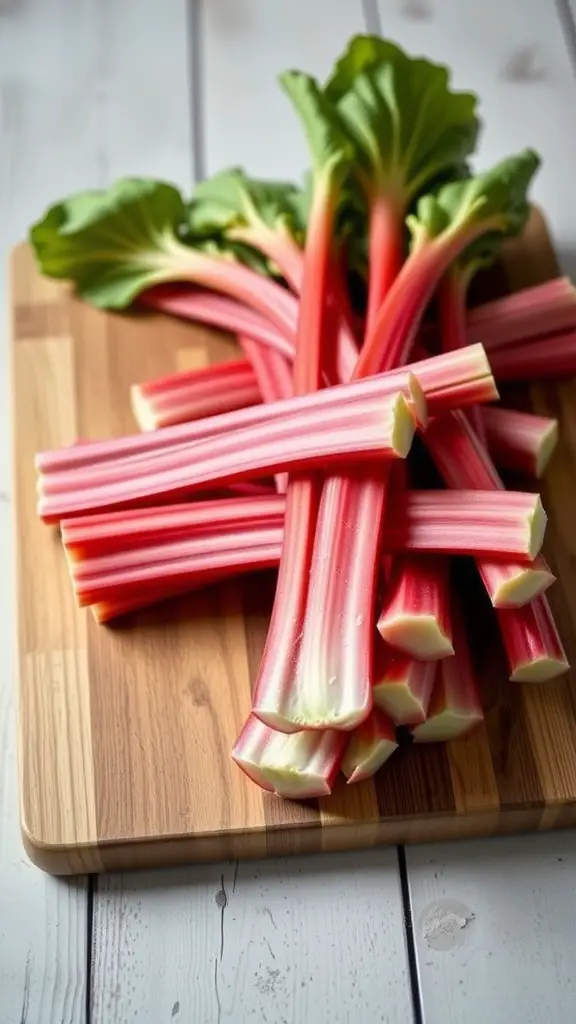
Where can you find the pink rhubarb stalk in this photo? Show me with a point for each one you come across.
(193, 394)
(171, 568)
(533, 647)
(415, 617)
(455, 707)
(452, 309)
(497, 524)
(316, 335)
(67, 464)
(333, 682)
(544, 359)
(221, 311)
(519, 441)
(91, 536)
(463, 462)
(451, 380)
(377, 428)
(369, 747)
(402, 685)
(531, 313)
(297, 767)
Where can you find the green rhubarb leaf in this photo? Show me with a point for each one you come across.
(230, 200)
(114, 243)
(330, 149)
(407, 125)
(493, 203)
(363, 53)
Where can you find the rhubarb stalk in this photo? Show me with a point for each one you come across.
(316, 322)
(297, 767)
(369, 747)
(533, 647)
(415, 617)
(379, 427)
(455, 707)
(192, 394)
(519, 441)
(402, 685)
(463, 462)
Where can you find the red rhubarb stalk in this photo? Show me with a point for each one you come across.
(91, 536)
(87, 455)
(533, 647)
(461, 375)
(174, 567)
(530, 313)
(415, 617)
(369, 747)
(463, 462)
(452, 294)
(544, 359)
(297, 767)
(498, 524)
(351, 507)
(455, 707)
(315, 337)
(519, 441)
(193, 394)
(380, 427)
(402, 685)
(221, 311)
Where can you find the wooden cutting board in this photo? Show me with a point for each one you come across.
(125, 732)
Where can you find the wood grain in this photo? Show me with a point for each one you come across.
(145, 712)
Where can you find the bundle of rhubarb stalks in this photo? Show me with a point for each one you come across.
(363, 371)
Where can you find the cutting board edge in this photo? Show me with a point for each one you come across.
(286, 840)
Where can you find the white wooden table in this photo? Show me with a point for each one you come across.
(473, 932)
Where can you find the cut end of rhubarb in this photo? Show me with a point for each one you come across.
(398, 701)
(537, 528)
(546, 449)
(521, 587)
(298, 767)
(541, 670)
(419, 403)
(446, 726)
(357, 771)
(420, 636)
(403, 425)
(141, 408)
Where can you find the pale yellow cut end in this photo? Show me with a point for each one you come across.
(523, 587)
(419, 401)
(398, 701)
(540, 671)
(403, 426)
(547, 446)
(293, 785)
(537, 529)
(418, 635)
(367, 768)
(141, 409)
(449, 725)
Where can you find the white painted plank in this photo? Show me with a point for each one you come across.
(494, 928)
(513, 54)
(284, 941)
(83, 88)
(246, 43)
